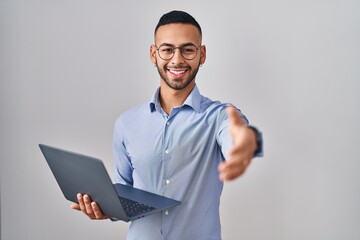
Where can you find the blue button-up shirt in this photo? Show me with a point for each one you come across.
(176, 156)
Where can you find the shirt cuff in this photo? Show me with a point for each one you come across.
(259, 142)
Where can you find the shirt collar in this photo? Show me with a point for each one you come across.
(193, 100)
(155, 101)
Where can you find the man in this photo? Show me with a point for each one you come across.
(175, 145)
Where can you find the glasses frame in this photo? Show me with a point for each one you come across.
(181, 53)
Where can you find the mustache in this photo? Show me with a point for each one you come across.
(179, 66)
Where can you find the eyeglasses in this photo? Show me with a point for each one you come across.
(167, 52)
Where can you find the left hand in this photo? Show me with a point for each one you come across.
(89, 208)
(240, 156)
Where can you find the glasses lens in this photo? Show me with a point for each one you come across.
(189, 52)
(166, 52)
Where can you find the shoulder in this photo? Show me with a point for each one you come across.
(213, 107)
(218, 110)
(133, 114)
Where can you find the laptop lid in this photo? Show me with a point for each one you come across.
(77, 173)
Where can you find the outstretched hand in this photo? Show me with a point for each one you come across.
(244, 146)
(89, 208)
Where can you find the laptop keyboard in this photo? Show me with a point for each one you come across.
(133, 208)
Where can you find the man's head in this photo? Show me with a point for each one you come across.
(177, 51)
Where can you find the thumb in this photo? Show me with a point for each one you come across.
(234, 116)
(75, 206)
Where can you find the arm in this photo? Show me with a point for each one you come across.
(122, 162)
(245, 147)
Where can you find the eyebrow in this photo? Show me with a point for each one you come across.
(182, 45)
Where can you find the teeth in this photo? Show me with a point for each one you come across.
(176, 72)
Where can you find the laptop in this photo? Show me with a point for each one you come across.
(76, 173)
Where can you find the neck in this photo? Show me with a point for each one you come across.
(170, 98)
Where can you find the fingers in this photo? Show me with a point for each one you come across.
(230, 170)
(91, 209)
(239, 159)
(84, 203)
(97, 211)
(81, 202)
(88, 208)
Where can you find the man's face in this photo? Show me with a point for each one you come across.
(178, 72)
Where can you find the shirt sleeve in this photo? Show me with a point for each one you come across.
(122, 161)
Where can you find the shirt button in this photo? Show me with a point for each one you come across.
(166, 213)
(168, 123)
(166, 151)
(167, 181)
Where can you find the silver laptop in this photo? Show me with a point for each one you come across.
(76, 173)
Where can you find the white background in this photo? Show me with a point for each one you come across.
(69, 68)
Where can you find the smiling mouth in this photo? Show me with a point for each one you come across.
(177, 73)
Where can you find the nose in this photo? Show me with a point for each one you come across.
(177, 58)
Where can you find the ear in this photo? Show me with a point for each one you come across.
(202, 54)
(153, 53)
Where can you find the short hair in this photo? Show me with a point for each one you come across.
(177, 17)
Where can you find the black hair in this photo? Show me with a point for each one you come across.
(177, 17)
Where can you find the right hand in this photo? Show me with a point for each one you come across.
(89, 208)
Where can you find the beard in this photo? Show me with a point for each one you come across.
(178, 83)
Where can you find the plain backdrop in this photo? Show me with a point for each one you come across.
(69, 68)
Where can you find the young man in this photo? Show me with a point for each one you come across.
(175, 145)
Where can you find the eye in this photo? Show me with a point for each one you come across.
(166, 49)
(188, 50)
